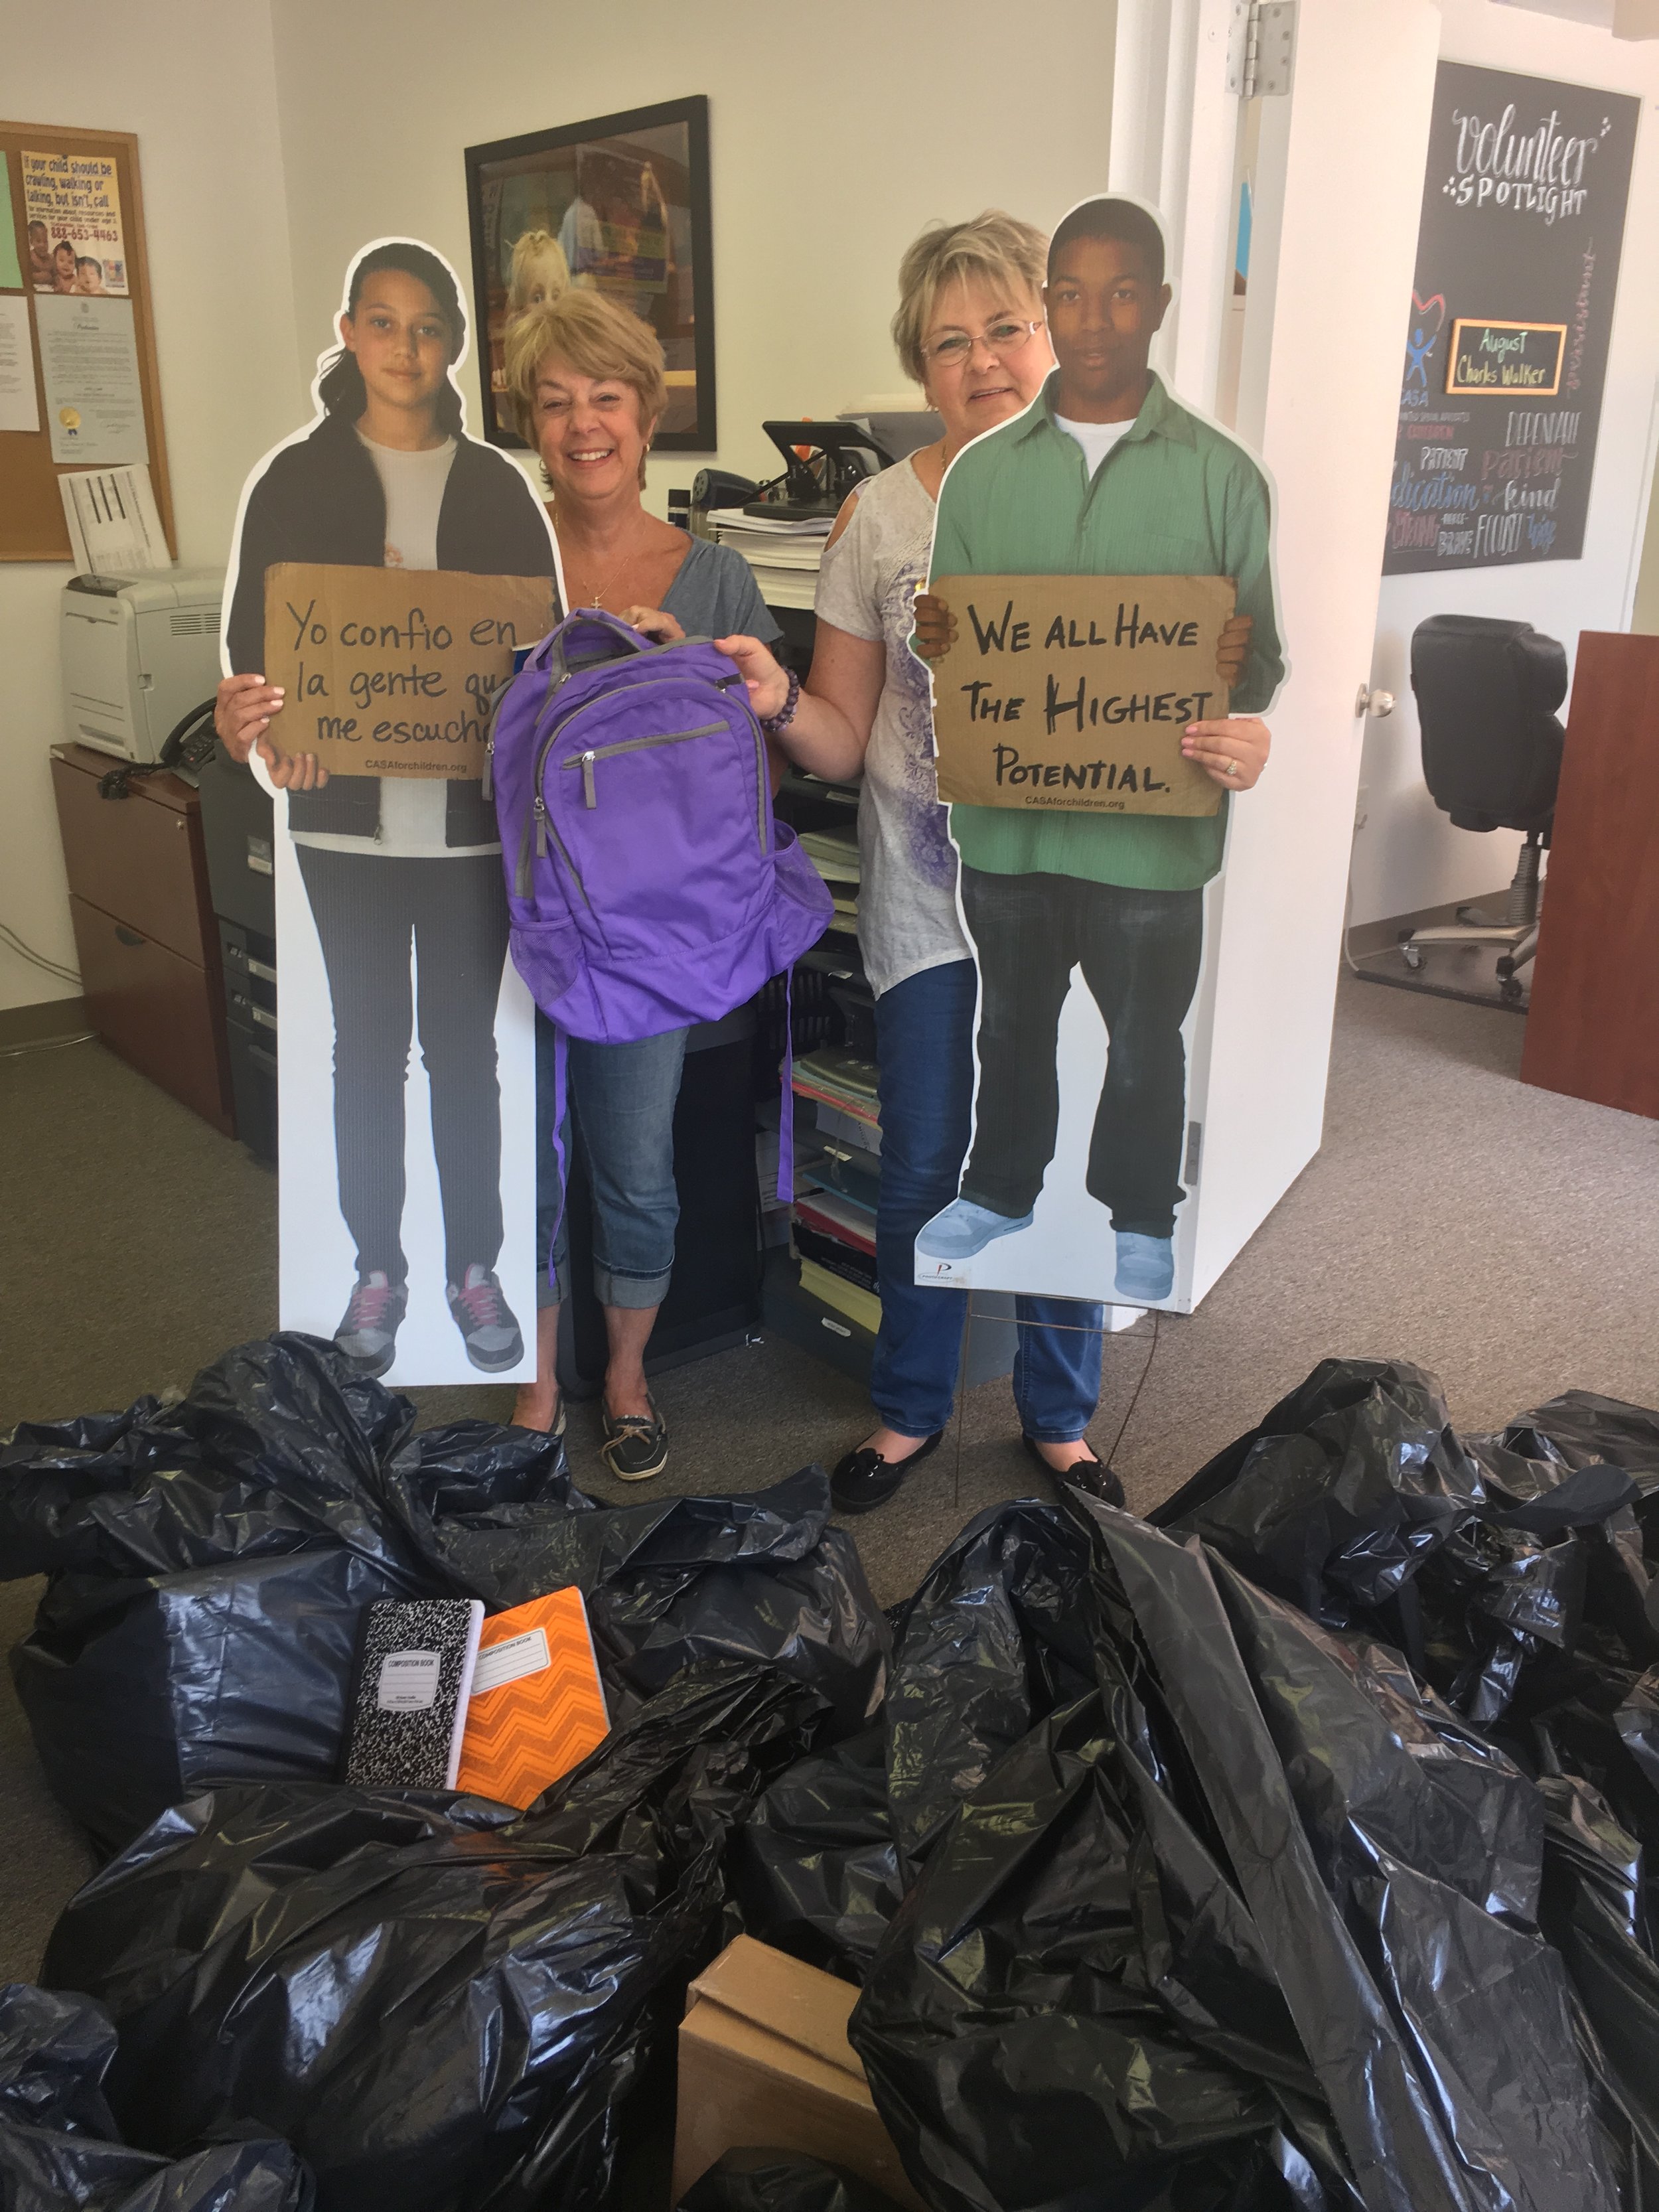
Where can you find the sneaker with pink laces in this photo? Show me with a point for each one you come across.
(485, 1320)
(368, 1334)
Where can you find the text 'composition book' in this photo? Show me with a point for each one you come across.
(409, 1704)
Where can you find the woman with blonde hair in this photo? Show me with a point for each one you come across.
(970, 330)
(584, 378)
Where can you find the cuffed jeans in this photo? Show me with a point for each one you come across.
(619, 1101)
(925, 1043)
(1139, 953)
(368, 909)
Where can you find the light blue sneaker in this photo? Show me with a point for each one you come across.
(1145, 1267)
(964, 1228)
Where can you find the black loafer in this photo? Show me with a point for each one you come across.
(635, 1445)
(864, 1479)
(1090, 1474)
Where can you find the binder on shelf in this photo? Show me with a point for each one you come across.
(859, 1304)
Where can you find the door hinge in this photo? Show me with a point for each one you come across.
(1261, 43)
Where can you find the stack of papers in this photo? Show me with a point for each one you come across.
(783, 554)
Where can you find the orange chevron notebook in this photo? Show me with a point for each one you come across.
(537, 1707)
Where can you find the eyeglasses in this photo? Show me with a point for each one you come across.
(1002, 337)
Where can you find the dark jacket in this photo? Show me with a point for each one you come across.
(320, 500)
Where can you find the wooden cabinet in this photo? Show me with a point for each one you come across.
(144, 930)
(1593, 1024)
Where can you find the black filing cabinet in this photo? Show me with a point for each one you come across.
(237, 832)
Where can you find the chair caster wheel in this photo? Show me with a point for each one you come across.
(1412, 956)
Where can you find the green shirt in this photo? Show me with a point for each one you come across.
(1173, 497)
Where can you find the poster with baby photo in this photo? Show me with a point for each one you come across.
(1100, 626)
(72, 206)
(386, 566)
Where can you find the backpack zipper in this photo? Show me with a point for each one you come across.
(496, 704)
(539, 822)
(544, 826)
(585, 761)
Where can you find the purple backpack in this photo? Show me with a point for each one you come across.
(648, 885)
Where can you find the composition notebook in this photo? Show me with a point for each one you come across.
(409, 1705)
(537, 1706)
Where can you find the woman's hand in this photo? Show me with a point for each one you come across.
(243, 709)
(1232, 649)
(766, 683)
(1232, 751)
(654, 622)
(935, 632)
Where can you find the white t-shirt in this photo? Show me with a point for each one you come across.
(413, 810)
(1097, 439)
(907, 864)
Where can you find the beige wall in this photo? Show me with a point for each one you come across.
(1407, 856)
(837, 132)
(194, 79)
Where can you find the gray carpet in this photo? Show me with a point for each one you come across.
(1505, 1238)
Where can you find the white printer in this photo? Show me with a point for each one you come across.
(139, 652)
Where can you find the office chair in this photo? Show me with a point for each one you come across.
(1487, 694)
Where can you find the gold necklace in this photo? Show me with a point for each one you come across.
(598, 599)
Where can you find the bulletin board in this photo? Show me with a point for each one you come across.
(97, 208)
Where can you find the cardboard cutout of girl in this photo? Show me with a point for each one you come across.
(1106, 476)
(391, 909)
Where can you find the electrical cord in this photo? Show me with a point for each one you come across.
(1111, 1450)
(10, 938)
(47, 1044)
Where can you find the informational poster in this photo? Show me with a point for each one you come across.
(90, 365)
(72, 202)
(1073, 692)
(1506, 346)
(11, 273)
(1100, 651)
(406, 1083)
(19, 408)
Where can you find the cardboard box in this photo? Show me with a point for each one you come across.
(764, 2063)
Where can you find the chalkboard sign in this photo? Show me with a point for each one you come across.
(1506, 347)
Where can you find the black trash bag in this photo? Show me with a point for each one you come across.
(1595, 1912)
(760, 1579)
(438, 2002)
(1391, 1860)
(277, 1447)
(60, 2151)
(1580, 1427)
(210, 1564)
(1015, 2038)
(780, 2181)
(1339, 1496)
(814, 1870)
(994, 1638)
(141, 1694)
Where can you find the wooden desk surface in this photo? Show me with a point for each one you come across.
(1593, 1025)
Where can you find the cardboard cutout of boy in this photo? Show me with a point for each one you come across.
(1082, 859)
(391, 907)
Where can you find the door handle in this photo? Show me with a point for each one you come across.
(128, 936)
(1375, 703)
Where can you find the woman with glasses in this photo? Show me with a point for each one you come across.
(969, 330)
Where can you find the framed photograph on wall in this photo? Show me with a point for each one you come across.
(619, 205)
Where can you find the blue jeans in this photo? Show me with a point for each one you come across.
(925, 1043)
(620, 1102)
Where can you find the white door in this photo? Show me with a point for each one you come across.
(1339, 172)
